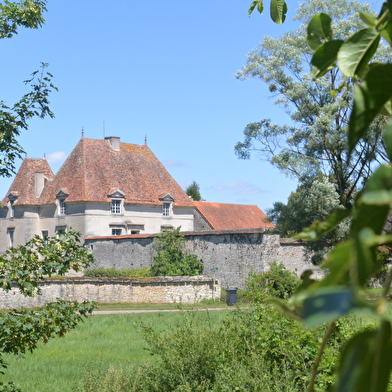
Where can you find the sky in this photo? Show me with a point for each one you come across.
(164, 71)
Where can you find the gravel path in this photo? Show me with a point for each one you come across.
(98, 312)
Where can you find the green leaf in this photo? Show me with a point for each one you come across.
(379, 198)
(388, 139)
(327, 304)
(278, 10)
(254, 4)
(369, 98)
(367, 19)
(324, 58)
(357, 51)
(319, 30)
(366, 361)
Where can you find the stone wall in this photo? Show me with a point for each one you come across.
(229, 256)
(118, 290)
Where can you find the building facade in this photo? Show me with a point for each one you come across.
(105, 187)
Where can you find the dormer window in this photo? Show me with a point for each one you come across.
(115, 206)
(117, 200)
(167, 202)
(61, 204)
(12, 197)
(166, 209)
(62, 207)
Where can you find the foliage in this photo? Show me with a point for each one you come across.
(27, 13)
(249, 350)
(171, 259)
(277, 282)
(278, 9)
(117, 273)
(311, 202)
(14, 118)
(193, 190)
(366, 360)
(24, 267)
(315, 145)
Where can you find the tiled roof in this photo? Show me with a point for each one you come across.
(221, 216)
(94, 170)
(24, 183)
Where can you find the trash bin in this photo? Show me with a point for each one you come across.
(231, 296)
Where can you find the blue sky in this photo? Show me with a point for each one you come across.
(163, 70)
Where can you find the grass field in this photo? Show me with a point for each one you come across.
(100, 341)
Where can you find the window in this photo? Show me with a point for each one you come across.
(166, 209)
(135, 231)
(166, 228)
(60, 230)
(62, 207)
(11, 233)
(115, 207)
(12, 209)
(44, 233)
(116, 231)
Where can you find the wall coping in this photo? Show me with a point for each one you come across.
(185, 233)
(147, 280)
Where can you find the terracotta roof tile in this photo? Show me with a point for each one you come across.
(24, 182)
(94, 170)
(222, 216)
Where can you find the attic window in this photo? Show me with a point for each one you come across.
(62, 207)
(115, 206)
(166, 209)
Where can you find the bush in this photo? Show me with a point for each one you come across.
(117, 273)
(250, 350)
(277, 282)
(171, 259)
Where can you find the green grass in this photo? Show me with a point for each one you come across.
(99, 342)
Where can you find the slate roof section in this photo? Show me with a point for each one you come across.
(222, 216)
(24, 182)
(94, 170)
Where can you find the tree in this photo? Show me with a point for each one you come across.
(25, 266)
(14, 118)
(315, 144)
(309, 203)
(353, 262)
(366, 360)
(171, 259)
(193, 190)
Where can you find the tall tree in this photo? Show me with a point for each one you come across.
(193, 190)
(314, 143)
(25, 266)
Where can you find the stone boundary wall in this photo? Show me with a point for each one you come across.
(229, 256)
(185, 289)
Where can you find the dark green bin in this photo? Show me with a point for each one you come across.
(231, 296)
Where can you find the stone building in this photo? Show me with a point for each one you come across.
(109, 188)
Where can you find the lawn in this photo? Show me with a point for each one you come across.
(98, 342)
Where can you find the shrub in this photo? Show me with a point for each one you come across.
(117, 273)
(250, 350)
(171, 259)
(277, 282)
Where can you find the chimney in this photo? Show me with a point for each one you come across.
(114, 142)
(39, 182)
